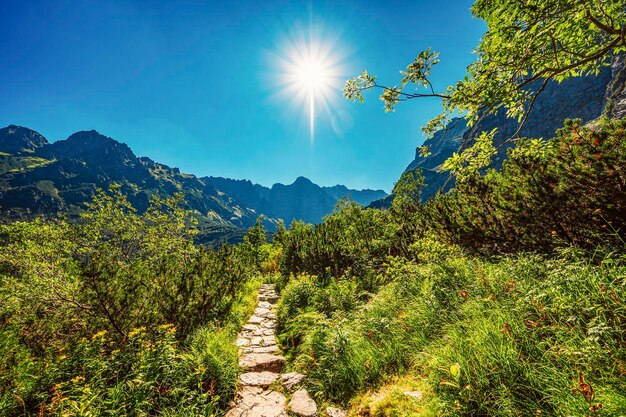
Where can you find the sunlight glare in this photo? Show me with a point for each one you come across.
(310, 74)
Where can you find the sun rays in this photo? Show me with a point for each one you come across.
(310, 73)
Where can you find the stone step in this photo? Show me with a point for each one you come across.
(258, 379)
(242, 341)
(260, 349)
(259, 404)
(257, 362)
(255, 320)
(263, 341)
(270, 298)
(263, 312)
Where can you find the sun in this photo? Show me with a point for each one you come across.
(314, 75)
(310, 73)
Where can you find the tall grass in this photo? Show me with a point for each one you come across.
(517, 336)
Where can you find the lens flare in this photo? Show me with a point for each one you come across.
(310, 73)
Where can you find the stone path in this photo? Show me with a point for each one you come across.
(259, 355)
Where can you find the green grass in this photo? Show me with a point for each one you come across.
(10, 163)
(509, 337)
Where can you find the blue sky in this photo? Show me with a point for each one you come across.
(197, 85)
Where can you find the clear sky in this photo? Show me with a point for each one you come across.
(200, 85)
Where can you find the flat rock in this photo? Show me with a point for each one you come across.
(268, 340)
(255, 320)
(264, 304)
(302, 404)
(262, 312)
(415, 394)
(265, 404)
(257, 362)
(251, 327)
(261, 349)
(242, 342)
(258, 379)
(291, 379)
(335, 412)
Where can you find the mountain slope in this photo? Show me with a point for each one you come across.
(39, 178)
(301, 200)
(585, 98)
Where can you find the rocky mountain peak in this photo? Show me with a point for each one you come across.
(94, 147)
(17, 139)
(303, 181)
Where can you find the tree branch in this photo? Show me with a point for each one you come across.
(408, 96)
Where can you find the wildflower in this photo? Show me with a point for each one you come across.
(596, 407)
(136, 331)
(99, 334)
(77, 379)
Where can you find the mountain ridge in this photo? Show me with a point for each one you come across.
(42, 178)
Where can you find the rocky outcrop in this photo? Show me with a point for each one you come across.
(616, 90)
(20, 140)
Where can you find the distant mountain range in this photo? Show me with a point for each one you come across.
(586, 98)
(39, 178)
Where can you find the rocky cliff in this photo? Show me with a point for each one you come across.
(585, 98)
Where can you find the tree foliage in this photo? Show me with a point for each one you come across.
(527, 44)
(92, 313)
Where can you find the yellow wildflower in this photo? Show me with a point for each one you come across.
(77, 378)
(99, 334)
(136, 331)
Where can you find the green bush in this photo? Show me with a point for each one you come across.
(111, 315)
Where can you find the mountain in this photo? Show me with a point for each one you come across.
(301, 200)
(39, 178)
(586, 98)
